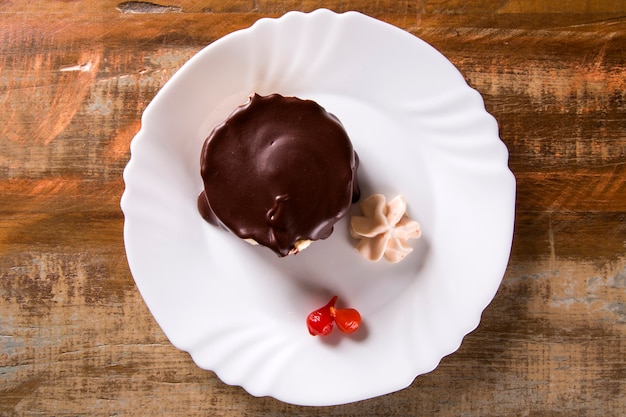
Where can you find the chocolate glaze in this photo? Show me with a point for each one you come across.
(278, 170)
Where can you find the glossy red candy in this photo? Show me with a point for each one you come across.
(348, 319)
(320, 322)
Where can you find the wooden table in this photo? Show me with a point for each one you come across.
(77, 339)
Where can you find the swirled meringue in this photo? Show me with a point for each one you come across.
(384, 229)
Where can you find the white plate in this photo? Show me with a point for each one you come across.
(419, 130)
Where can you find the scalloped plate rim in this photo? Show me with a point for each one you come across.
(151, 294)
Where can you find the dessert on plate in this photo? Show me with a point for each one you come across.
(278, 172)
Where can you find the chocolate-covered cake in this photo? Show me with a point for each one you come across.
(279, 172)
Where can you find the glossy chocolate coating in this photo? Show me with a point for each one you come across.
(278, 170)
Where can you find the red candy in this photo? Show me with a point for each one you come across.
(347, 319)
(320, 322)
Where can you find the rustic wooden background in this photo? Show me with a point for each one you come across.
(76, 337)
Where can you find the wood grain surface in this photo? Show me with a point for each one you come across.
(77, 339)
